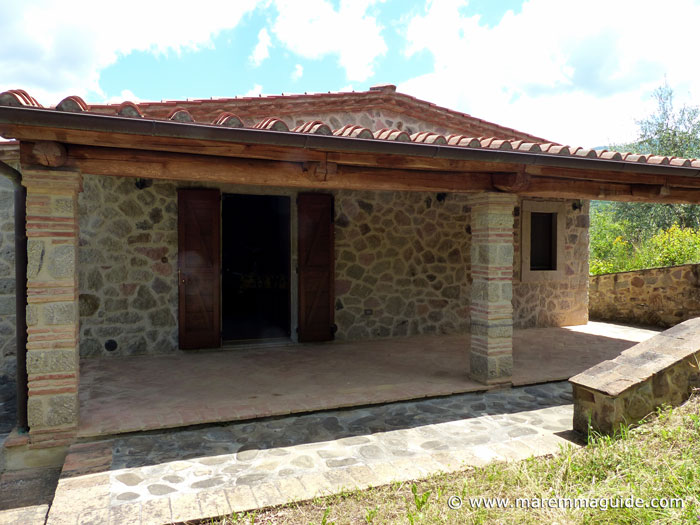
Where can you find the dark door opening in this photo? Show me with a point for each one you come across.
(255, 289)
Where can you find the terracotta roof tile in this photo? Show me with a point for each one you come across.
(676, 161)
(495, 143)
(18, 98)
(316, 127)
(658, 159)
(228, 120)
(186, 113)
(392, 134)
(351, 130)
(273, 124)
(180, 115)
(72, 104)
(428, 137)
(129, 109)
(555, 149)
(521, 145)
(380, 98)
(584, 152)
(609, 155)
(633, 157)
(464, 141)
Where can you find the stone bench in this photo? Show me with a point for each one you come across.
(660, 370)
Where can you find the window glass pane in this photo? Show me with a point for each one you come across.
(543, 241)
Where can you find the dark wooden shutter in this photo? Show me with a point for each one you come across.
(316, 274)
(199, 268)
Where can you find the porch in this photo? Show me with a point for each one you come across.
(154, 392)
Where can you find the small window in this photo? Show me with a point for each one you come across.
(543, 241)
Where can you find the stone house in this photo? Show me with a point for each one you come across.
(159, 227)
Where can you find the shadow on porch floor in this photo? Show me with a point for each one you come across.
(155, 392)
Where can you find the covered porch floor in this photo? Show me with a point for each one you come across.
(155, 392)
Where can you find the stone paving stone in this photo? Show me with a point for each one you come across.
(129, 513)
(408, 469)
(240, 498)
(33, 515)
(156, 512)
(267, 495)
(292, 489)
(317, 484)
(213, 503)
(184, 507)
(362, 475)
(339, 479)
(94, 516)
(486, 453)
(450, 461)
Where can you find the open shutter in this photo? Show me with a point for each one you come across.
(316, 275)
(199, 268)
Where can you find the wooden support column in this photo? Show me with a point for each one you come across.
(491, 351)
(52, 305)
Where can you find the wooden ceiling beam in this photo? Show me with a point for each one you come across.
(614, 176)
(204, 168)
(594, 190)
(328, 174)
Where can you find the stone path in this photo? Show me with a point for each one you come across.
(207, 472)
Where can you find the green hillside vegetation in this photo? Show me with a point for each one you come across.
(631, 236)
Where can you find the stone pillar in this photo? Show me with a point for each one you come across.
(491, 352)
(52, 305)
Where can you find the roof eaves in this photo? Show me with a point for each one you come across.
(91, 122)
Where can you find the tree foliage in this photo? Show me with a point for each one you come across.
(627, 235)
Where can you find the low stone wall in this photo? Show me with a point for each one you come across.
(661, 370)
(657, 297)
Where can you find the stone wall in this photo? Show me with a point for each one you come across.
(127, 267)
(661, 370)
(562, 302)
(402, 266)
(374, 120)
(7, 278)
(657, 296)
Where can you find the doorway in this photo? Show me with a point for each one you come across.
(255, 255)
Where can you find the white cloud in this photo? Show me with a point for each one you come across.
(261, 51)
(318, 30)
(54, 49)
(578, 75)
(125, 95)
(298, 72)
(255, 91)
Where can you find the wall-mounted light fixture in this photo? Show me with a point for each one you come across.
(143, 183)
(577, 204)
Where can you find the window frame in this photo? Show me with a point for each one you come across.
(527, 208)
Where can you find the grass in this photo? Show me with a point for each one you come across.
(659, 459)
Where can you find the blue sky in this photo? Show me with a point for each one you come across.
(571, 72)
